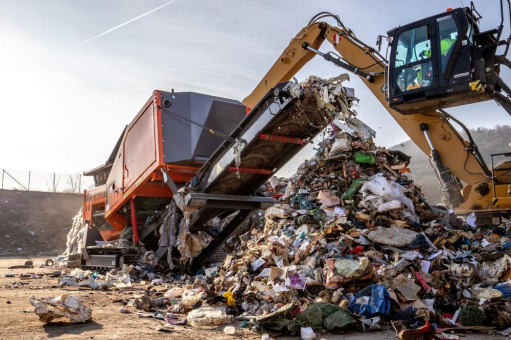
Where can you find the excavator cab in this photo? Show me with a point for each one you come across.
(444, 61)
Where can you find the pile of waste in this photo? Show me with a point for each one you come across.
(352, 240)
(350, 244)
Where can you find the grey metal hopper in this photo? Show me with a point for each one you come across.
(186, 143)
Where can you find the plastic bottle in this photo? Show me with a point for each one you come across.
(353, 189)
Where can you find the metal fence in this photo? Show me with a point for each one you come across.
(44, 181)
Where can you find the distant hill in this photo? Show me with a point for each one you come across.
(33, 222)
(495, 140)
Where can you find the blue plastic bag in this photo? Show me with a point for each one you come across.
(505, 288)
(379, 301)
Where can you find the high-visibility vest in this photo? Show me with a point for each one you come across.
(445, 45)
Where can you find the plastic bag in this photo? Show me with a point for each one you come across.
(340, 144)
(505, 288)
(390, 205)
(306, 333)
(371, 301)
(378, 185)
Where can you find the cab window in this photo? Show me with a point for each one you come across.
(413, 45)
(448, 36)
(415, 77)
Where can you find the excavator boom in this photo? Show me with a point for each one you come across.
(431, 130)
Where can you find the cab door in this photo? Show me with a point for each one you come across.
(414, 68)
(454, 47)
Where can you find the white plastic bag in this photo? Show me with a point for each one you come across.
(306, 333)
(340, 144)
(390, 205)
(378, 185)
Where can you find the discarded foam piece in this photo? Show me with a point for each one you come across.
(209, 316)
(190, 297)
(487, 293)
(229, 330)
(64, 306)
(407, 289)
(328, 199)
(352, 268)
(393, 236)
(175, 292)
(279, 211)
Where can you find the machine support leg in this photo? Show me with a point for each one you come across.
(168, 180)
(134, 221)
(217, 242)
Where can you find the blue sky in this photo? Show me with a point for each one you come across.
(64, 111)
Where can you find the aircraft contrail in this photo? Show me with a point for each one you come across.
(109, 31)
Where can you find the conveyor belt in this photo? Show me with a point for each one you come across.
(273, 132)
(281, 115)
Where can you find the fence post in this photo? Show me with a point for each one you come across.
(3, 171)
(28, 181)
(54, 184)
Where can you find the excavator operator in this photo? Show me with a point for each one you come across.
(446, 44)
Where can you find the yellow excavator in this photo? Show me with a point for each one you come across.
(431, 64)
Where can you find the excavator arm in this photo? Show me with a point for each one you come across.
(455, 159)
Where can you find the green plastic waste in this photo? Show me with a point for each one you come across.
(353, 189)
(364, 158)
(301, 219)
(278, 322)
(338, 319)
(322, 315)
(301, 202)
(318, 215)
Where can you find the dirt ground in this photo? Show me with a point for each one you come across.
(18, 320)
